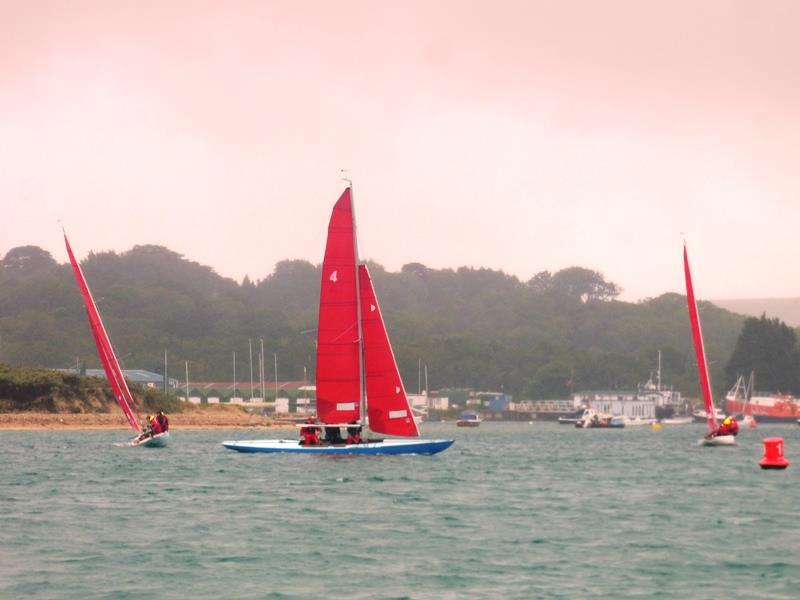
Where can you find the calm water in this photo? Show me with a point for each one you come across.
(510, 511)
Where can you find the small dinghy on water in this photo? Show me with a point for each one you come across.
(110, 363)
(713, 437)
(358, 383)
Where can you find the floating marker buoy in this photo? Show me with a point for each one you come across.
(655, 426)
(773, 454)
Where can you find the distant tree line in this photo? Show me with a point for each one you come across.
(543, 338)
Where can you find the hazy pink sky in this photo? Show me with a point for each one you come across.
(520, 136)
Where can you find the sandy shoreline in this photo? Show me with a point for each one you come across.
(224, 418)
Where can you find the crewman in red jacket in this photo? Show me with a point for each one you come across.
(309, 435)
(162, 420)
(155, 426)
(729, 427)
(354, 433)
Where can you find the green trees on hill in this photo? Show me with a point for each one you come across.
(36, 389)
(47, 390)
(556, 333)
(769, 348)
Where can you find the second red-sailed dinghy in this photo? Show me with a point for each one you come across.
(110, 362)
(713, 438)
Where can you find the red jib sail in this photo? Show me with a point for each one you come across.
(338, 349)
(699, 349)
(387, 404)
(107, 357)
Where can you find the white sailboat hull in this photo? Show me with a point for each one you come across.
(719, 440)
(156, 441)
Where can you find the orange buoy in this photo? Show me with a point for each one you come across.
(773, 454)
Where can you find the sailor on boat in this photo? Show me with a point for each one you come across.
(309, 435)
(729, 426)
(157, 423)
(333, 435)
(150, 428)
(162, 421)
(354, 433)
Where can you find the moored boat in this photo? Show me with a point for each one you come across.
(764, 407)
(468, 419)
(592, 419)
(571, 419)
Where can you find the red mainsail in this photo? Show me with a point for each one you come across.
(699, 349)
(338, 346)
(107, 357)
(387, 404)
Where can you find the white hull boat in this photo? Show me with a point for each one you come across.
(158, 440)
(718, 440)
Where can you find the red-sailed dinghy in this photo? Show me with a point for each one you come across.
(110, 362)
(712, 438)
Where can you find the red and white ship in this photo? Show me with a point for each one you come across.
(763, 406)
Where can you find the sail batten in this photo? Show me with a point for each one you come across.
(106, 353)
(387, 403)
(699, 348)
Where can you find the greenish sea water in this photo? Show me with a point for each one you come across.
(512, 510)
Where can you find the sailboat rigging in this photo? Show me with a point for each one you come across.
(713, 438)
(109, 360)
(357, 379)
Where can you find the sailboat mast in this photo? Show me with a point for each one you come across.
(250, 348)
(263, 372)
(658, 373)
(362, 400)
